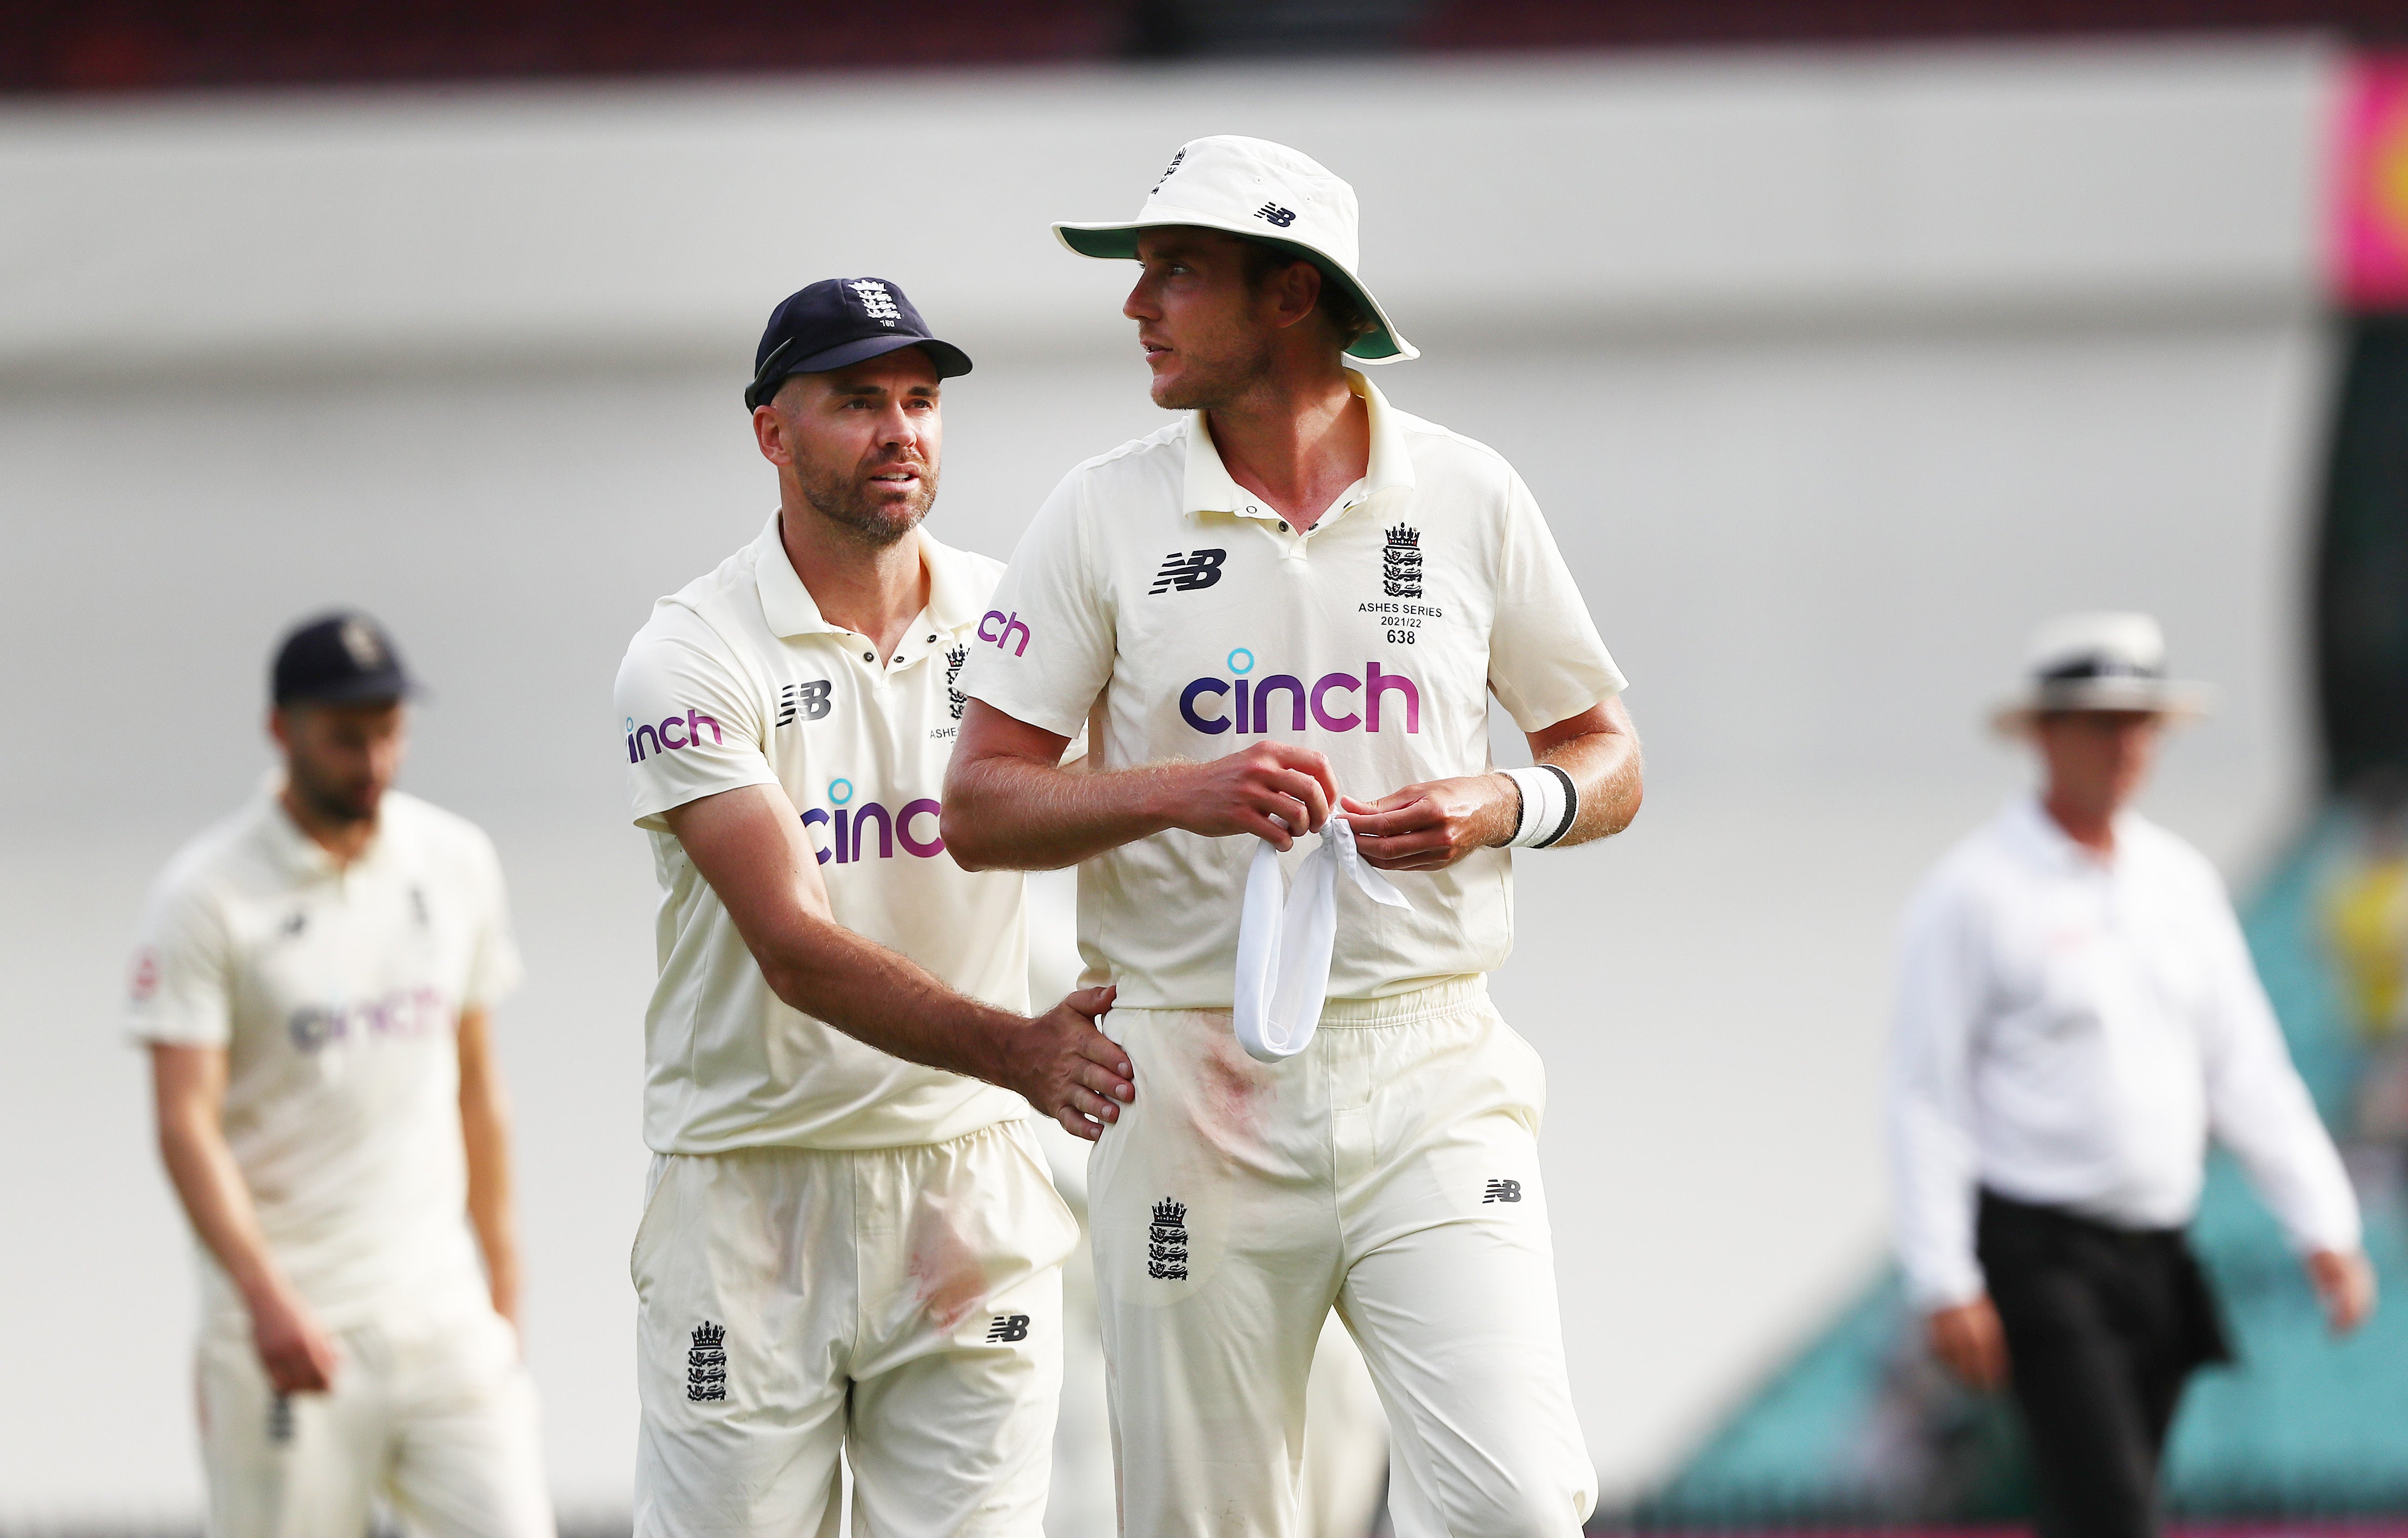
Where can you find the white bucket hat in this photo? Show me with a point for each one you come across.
(1268, 193)
(2099, 662)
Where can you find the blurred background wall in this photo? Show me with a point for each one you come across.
(1834, 368)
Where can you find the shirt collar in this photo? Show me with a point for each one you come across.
(791, 610)
(2042, 833)
(292, 848)
(1211, 489)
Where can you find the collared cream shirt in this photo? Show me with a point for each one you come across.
(2069, 1032)
(1155, 593)
(737, 680)
(336, 993)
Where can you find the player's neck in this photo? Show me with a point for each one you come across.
(2083, 820)
(344, 839)
(1296, 439)
(875, 591)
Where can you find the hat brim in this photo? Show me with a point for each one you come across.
(1117, 242)
(950, 361)
(371, 689)
(2174, 699)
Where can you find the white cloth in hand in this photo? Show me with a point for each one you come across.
(1284, 940)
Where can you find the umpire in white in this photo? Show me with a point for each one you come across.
(2076, 1015)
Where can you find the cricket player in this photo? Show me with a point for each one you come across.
(2078, 1014)
(850, 1248)
(1292, 605)
(316, 982)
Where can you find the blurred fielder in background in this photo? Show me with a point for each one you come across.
(2077, 1013)
(851, 1251)
(316, 979)
(1293, 550)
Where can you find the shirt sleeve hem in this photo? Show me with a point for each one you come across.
(162, 1033)
(1551, 708)
(649, 807)
(1044, 718)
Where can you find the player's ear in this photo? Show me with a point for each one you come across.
(770, 432)
(279, 726)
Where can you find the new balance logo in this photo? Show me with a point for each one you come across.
(279, 1419)
(1007, 1327)
(706, 1364)
(1277, 215)
(1401, 563)
(809, 701)
(1166, 1242)
(1502, 1190)
(1187, 572)
(875, 301)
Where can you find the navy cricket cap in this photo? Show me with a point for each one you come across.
(342, 658)
(836, 322)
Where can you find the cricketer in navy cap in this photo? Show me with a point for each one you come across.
(343, 658)
(836, 322)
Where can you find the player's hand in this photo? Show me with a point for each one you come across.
(299, 1355)
(2344, 1284)
(1430, 826)
(1072, 1071)
(1243, 792)
(1970, 1343)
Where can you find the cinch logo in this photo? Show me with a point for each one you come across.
(849, 826)
(1331, 699)
(1004, 624)
(402, 1012)
(671, 735)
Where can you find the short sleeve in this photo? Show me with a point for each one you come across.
(689, 727)
(1045, 648)
(495, 971)
(181, 987)
(1546, 661)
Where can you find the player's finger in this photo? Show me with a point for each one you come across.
(1263, 825)
(1091, 1002)
(1314, 762)
(1309, 794)
(1087, 1102)
(1403, 817)
(1103, 1081)
(1077, 1125)
(1105, 1055)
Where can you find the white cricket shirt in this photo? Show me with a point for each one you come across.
(2069, 1032)
(1156, 591)
(337, 994)
(736, 681)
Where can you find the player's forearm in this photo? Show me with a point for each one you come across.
(1608, 771)
(886, 1001)
(210, 1186)
(1009, 813)
(484, 1128)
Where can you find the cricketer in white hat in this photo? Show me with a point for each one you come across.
(1285, 614)
(1264, 191)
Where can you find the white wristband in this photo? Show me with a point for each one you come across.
(1550, 802)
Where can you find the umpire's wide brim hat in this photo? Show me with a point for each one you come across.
(2099, 662)
(1263, 191)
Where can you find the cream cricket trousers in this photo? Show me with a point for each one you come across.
(896, 1309)
(434, 1415)
(1390, 1170)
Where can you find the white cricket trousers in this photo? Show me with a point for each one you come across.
(1391, 1171)
(896, 1309)
(437, 1415)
